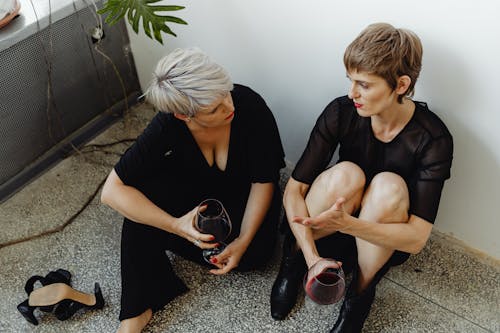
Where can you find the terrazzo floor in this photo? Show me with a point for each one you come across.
(445, 288)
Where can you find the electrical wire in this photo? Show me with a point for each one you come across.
(48, 63)
(51, 101)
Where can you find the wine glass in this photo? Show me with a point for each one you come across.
(324, 283)
(212, 218)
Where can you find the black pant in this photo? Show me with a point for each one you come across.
(342, 247)
(148, 279)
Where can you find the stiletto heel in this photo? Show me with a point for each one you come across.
(27, 312)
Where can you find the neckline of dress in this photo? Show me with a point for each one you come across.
(214, 166)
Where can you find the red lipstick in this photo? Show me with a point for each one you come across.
(357, 105)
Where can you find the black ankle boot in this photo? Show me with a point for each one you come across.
(355, 308)
(286, 286)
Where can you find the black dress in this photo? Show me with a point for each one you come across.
(167, 166)
(421, 154)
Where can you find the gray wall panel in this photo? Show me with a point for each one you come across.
(84, 85)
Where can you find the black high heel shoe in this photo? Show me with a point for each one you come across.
(27, 312)
(63, 313)
(65, 300)
(59, 276)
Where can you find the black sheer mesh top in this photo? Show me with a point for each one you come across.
(421, 153)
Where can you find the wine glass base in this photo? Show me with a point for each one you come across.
(209, 253)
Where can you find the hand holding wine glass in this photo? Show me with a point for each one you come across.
(324, 283)
(212, 218)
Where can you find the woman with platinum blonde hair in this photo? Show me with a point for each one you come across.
(211, 139)
(376, 205)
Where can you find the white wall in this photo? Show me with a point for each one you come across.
(291, 53)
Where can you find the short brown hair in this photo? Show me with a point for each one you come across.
(388, 52)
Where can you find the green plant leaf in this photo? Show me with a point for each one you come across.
(135, 10)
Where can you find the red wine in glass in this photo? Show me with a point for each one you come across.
(324, 283)
(213, 219)
(217, 227)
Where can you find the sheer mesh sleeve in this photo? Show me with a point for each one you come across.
(435, 165)
(321, 145)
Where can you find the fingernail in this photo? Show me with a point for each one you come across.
(213, 260)
(212, 238)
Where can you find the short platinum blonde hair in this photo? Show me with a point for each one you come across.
(388, 52)
(186, 80)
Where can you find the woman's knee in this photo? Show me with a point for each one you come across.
(343, 178)
(388, 193)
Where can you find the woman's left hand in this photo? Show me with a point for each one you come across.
(229, 259)
(332, 219)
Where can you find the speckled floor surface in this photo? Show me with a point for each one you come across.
(443, 289)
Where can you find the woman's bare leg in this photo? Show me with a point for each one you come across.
(344, 179)
(386, 200)
(135, 324)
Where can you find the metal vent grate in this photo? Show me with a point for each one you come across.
(84, 85)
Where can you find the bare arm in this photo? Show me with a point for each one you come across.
(259, 201)
(295, 205)
(408, 236)
(135, 206)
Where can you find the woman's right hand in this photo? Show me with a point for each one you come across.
(312, 260)
(184, 227)
(321, 265)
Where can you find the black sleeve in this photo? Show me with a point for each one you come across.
(435, 164)
(266, 154)
(144, 155)
(321, 145)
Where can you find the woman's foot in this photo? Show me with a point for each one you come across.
(135, 324)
